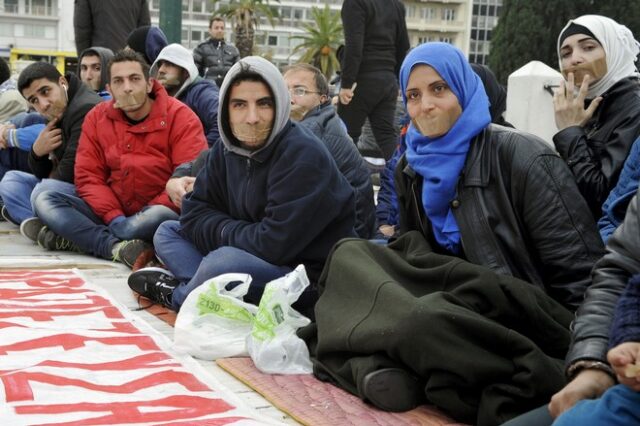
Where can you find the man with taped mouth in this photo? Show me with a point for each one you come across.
(175, 70)
(269, 197)
(128, 149)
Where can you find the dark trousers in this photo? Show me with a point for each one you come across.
(374, 97)
(487, 346)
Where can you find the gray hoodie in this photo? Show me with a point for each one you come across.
(276, 83)
(180, 56)
(105, 55)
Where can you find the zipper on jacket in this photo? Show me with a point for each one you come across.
(246, 190)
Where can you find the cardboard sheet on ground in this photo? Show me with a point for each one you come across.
(70, 355)
(315, 403)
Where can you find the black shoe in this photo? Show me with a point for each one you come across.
(6, 216)
(129, 251)
(156, 284)
(393, 389)
(30, 228)
(49, 240)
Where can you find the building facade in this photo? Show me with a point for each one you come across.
(484, 19)
(448, 21)
(48, 24)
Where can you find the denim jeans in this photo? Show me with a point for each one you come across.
(19, 189)
(191, 268)
(72, 218)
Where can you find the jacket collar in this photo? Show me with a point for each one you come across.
(157, 115)
(477, 167)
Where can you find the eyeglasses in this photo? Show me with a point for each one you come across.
(300, 91)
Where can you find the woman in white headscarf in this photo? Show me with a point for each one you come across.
(597, 108)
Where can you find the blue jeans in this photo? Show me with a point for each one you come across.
(618, 406)
(19, 189)
(191, 268)
(72, 218)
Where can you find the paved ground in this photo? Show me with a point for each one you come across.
(16, 252)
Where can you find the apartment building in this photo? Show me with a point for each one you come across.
(48, 24)
(484, 19)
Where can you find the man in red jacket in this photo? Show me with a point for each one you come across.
(128, 149)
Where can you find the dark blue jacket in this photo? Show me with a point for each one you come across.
(202, 97)
(387, 207)
(626, 320)
(323, 121)
(615, 206)
(286, 203)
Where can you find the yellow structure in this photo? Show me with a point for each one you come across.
(55, 57)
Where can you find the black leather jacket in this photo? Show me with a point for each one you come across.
(592, 325)
(519, 213)
(214, 58)
(596, 152)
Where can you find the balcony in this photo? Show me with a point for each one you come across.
(435, 25)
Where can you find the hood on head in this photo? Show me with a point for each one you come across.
(105, 54)
(274, 80)
(180, 56)
(148, 41)
(620, 48)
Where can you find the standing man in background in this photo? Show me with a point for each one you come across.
(376, 41)
(215, 56)
(102, 23)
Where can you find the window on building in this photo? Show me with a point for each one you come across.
(199, 6)
(40, 7)
(411, 11)
(185, 36)
(11, 6)
(185, 5)
(34, 30)
(285, 13)
(259, 39)
(6, 30)
(272, 40)
(446, 40)
(298, 14)
(448, 14)
(154, 5)
(428, 14)
(196, 35)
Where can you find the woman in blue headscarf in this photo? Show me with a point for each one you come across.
(486, 193)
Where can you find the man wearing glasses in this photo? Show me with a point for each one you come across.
(311, 106)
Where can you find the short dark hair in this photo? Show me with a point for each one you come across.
(215, 18)
(5, 72)
(36, 71)
(128, 55)
(322, 86)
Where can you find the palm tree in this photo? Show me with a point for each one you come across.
(321, 40)
(244, 17)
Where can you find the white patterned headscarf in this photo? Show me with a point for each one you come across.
(620, 47)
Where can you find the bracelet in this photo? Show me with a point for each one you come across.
(578, 366)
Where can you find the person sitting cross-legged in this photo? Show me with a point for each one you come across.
(268, 198)
(64, 102)
(128, 149)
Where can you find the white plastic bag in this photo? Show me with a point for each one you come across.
(214, 322)
(273, 344)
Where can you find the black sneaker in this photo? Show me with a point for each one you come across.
(129, 251)
(30, 228)
(156, 284)
(6, 216)
(49, 240)
(393, 389)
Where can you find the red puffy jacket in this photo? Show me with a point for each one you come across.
(122, 167)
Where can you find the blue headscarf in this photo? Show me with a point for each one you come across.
(440, 160)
